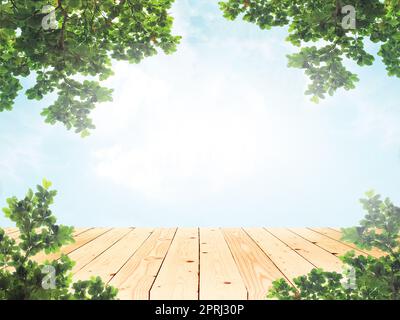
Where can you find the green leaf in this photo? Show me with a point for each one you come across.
(90, 35)
(350, 235)
(7, 212)
(20, 275)
(46, 184)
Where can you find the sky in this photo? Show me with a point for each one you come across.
(218, 134)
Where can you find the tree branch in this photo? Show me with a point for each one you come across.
(61, 42)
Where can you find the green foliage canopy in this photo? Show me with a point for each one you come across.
(21, 277)
(89, 34)
(375, 278)
(320, 22)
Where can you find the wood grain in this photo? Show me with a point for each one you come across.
(137, 276)
(220, 278)
(335, 247)
(178, 278)
(336, 235)
(199, 263)
(80, 240)
(111, 261)
(257, 270)
(85, 254)
(287, 260)
(314, 254)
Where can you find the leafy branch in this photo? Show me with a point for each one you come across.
(319, 22)
(90, 35)
(375, 278)
(21, 277)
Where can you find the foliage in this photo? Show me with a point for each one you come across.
(320, 22)
(375, 278)
(21, 277)
(88, 35)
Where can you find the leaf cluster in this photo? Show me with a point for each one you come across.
(375, 278)
(319, 22)
(88, 36)
(21, 276)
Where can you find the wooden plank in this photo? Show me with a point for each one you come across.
(80, 240)
(178, 278)
(289, 262)
(12, 233)
(137, 276)
(15, 235)
(85, 254)
(10, 230)
(314, 254)
(110, 262)
(336, 235)
(41, 256)
(335, 247)
(78, 231)
(257, 270)
(220, 278)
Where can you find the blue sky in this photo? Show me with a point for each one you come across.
(218, 134)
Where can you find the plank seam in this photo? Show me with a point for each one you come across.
(103, 251)
(78, 234)
(344, 243)
(325, 235)
(85, 243)
(131, 255)
(236, 264)
(334, 230)
(315, 244)
(290, 247)
(162, 263)
(268, 257)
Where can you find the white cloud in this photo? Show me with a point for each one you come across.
(202, 137)
(194, 124)
(183, 127)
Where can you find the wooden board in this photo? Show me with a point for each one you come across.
(10, 230)
(179, 275)
(336, 235)
(257, 270)
(111, 261)
(80, 240)
(220, 278)
(85, 254)
(193, 263)
(135, 279)
(335, 247)
(288, 261)
(15, 235)
(78, 231)
(314, 254)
